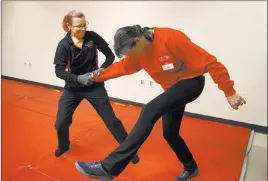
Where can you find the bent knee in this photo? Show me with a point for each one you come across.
(62, 123)
(171, 135)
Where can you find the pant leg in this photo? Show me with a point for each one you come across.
(100, 101)
(171, 128)
(67, 104)
(178, 95)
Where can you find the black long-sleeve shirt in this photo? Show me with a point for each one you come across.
(71, 61)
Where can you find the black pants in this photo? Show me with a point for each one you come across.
(99, 99)
(170, 105)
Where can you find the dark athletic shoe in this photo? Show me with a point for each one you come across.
(135, 159)
(60, 151)
(93, 170)
(187, 175)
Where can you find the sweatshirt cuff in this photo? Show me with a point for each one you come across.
(229, 92)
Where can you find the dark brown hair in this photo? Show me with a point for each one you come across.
(125, 37)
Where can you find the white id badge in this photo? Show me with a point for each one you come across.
(168, 66)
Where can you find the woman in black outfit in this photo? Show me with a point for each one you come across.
(76, 56)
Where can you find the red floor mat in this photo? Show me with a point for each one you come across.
(29, 141)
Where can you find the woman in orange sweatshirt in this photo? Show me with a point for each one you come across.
(178, 65)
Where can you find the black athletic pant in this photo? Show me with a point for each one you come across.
(170, 105)
(99, 99)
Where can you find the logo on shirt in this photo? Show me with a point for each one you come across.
(164, 58)
(89, 44)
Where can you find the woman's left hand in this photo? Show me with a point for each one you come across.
(97, 72)
(236, 100)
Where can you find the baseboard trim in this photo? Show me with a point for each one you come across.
(256, 128)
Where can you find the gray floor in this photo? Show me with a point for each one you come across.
(257, 159)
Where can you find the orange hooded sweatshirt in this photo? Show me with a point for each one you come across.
(173, 57)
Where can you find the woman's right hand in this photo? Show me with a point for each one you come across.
(85, 79)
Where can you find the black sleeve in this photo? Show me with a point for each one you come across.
(103, 47)
(60, 61)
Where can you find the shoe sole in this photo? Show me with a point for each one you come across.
(193, 175)
(91, 176)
